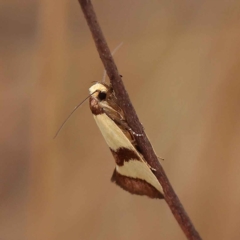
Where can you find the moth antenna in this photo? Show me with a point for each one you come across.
(112, 53)
(58, 131)
(116, 48)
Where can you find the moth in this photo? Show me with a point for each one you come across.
(132, 172)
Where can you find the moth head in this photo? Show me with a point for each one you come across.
(100, 91)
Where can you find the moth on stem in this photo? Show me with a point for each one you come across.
(132, 172)
(133, 121)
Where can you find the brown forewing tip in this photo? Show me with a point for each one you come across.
(136, 186)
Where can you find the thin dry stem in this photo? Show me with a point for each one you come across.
(133, 121)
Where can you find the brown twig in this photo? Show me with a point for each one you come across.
(133, 121)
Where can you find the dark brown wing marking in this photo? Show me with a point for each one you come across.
(135, 185)
(124, 155)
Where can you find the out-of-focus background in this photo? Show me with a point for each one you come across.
(181, 65)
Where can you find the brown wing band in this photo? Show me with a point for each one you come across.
(135, 185)
(124, 155)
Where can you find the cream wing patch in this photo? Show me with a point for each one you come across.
(112, 134)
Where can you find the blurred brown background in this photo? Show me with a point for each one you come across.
(181, 65)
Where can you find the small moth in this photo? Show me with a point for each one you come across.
(132, 172)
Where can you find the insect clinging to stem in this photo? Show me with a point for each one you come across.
(132, 172)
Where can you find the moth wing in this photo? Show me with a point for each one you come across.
(132, 173)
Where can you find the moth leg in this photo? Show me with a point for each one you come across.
(149, 166)
(153, 169)
(160, 158)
